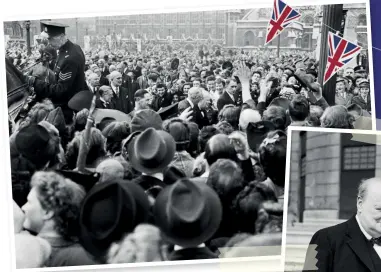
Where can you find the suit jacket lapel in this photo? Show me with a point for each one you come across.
(358, 243)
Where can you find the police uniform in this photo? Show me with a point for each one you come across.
(69, 71)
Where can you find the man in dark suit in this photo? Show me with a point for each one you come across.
(120, 100)
(143, 79)
(230, 95)
(162, 98)
(132, 87)
(104, 101)
(199, 116)
(104, 72)
(354, 245)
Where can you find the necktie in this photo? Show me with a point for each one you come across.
(376, 241)
(117, 91)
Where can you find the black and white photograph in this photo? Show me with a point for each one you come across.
(163, 137)
(333, 218)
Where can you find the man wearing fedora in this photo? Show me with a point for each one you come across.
(188, 214)
(69, 70)
(150, 153)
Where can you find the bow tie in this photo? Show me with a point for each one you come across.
(376, 241)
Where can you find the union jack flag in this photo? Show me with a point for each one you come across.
(340, 53)
(282, 16)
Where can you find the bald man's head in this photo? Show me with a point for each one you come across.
(110, 169)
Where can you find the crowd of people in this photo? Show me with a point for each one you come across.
(196, 165)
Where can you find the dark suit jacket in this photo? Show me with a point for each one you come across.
(200, 117)
(342, 248)
(192, 254)
(148, 183)
(103, 80)
(161, 102)
(225, 99)
(122, 102)
(100, 105)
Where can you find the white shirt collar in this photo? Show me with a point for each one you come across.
(367, 235)
(231, 96)
(159, 176)
(190, 102)
(176, 247)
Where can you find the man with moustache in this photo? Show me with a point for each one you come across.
(354, 245)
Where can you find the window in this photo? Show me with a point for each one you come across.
(196, 17)
(362, 20)
(359, 157)
(221, 16)
(208, 17)
(220, 32)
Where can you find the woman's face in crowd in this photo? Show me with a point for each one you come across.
(186, 89)
(219, 87)
(256, 77)
(292, 80)
(358, 81)
(340, 87)
(175, 99)
(34, 213)
(117, 81)
(182, 77)
(196, 83)
(284, 79)
(364, 91)
(254, 87)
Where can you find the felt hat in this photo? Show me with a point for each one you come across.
(32, 141)
(81, 100)
(151, 151)
(256, 132)
(188, 212)
(144, 119)
(110, 210)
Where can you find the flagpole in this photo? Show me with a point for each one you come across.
(278, 46)
(332, 16)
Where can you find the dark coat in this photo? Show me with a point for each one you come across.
(192, 254)
(99, 104)
(103, 80)
(342, 248)
(121, 103)
(147, 182)
(225, 99)
(161, 102)
(361, 102)
(70, 77)
(200, 117)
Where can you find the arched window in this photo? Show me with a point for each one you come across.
(248, 38)
(308, 20)
(362, 20)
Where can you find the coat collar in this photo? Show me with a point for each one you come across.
(66, 46)
(358, 243)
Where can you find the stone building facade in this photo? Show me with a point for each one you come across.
(325, 172)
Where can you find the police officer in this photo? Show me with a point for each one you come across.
(69, 70)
